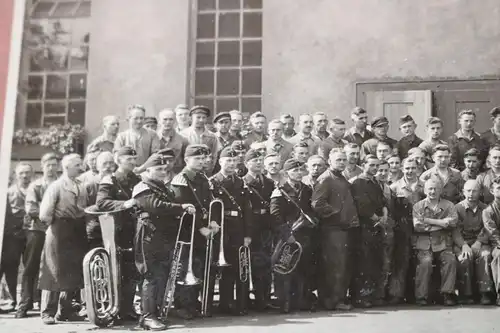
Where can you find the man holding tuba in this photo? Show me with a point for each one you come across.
(229, 188)
(115, 193)
(292, 212)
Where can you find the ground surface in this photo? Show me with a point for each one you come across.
(404, 319)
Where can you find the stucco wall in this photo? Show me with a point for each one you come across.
(314, 51)
(138, 54)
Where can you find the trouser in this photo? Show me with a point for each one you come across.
(335, 266)
(52, 301)
(12, 250)
(402, 254)
(354, 255)
(153, 286)
(475, 269)
(448, 269)
(129, 282)
(387, 259)
(369, 283)
(31, 261)
(261, 265)
(229, 279)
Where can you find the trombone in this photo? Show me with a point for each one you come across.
(216, 205)
(245, 261)
(189, 279)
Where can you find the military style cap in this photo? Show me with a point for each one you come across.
(126, 151)
(379, 121)
(195, 150)
(166, 152)
(252, 154)
(228, 152)
(495, 112)
(93, 149)
(357, 111)
(301, 144)
(155, 160)
(220, 116)
(200, 109)
(150, 120)
(405, 119)
(292, 163)
(238, 145)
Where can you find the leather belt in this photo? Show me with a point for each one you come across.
(260, 211)
(233, 213)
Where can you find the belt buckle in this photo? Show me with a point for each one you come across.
(263, 211)
(233, 213)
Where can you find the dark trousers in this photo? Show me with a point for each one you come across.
(129, 281)
(475, 270)
(369, 283)
(12, 251)
(401, 262)
(153, 286)
(31, 261)
(334, 266)
(54, 300)
(231, 278)
(448, 269)
(261, 265)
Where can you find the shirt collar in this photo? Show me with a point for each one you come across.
(427, 205)
(468, 207)
(191, 174)
(459, 134)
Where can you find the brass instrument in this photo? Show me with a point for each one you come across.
(245, 262)
(175, 269)
(216, 205)
(101, 273)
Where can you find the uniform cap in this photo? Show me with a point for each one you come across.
(150, 120)
(166, 152)
(220, 116)
(195, 150)
(357, 111)
(228, 152)
(405, 119)
(238, 145)
(200, 109)
(252, 154)
(126, 151)
(495, 112)
(292, 163)
(379, 121)
(155, 160)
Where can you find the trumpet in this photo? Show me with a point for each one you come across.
(245, 262)
(176, 267)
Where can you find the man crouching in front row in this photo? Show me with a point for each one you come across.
(435, 220)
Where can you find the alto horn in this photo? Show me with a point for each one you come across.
(245, 262)
(101, 272)
(189, 279)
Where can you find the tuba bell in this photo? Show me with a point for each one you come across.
(101, 272)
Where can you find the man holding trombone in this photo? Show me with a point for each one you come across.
(155, 236)
(236, 230)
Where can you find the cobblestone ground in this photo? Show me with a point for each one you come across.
(405, 319)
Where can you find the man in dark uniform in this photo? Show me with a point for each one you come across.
(409, 140)
(240, 148)
(464, 139)
(155, 238)
(191, 186)
(380, 126)
(114, 193)
(259, 190)
(491, 137)
(237, 230)
(292, 289)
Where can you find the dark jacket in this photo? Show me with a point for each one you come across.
(369, 199)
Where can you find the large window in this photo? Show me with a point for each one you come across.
(228, 55)
(53, 78)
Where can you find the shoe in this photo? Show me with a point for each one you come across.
(285, 308)
(21, 314)
(448, 300)
(379, 302)
(363, 304)
(498, 300)
(70, 317)
(129, 316)
(343, 307)
(421, 302)
(152, 324)
(395, 300)
(47, 320)
(466, 301)
(485, 299)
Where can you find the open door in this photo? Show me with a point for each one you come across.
(394, 104)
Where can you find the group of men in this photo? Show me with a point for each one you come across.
(379, 221)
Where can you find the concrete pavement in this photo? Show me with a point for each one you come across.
(404, 319)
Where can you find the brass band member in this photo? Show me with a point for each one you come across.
(259, 190)
(155, 238)
(238, 227)
(115, 192)
(292, 289)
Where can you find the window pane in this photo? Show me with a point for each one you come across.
(205, 54)
(58, 108)
(64, 9)
(252, 4)
(204, 82)
(250, 104)
(206, 4)
(34, 115)
(227, 104)
(42, 9)
(251, 81)
(229, 54)
(83, 10)
(229, 4)
(81, 32)
(77, 85)
(56, 86)
(35, 83)
(76, 113)
(252, 53)
(252, 25)
(228, 82)
(229, 25)
(60, 120)
(208, 102)
(206, 26)
(79, 57)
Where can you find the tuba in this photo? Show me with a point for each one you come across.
(101, 272)
(176, 266)
(245, 263)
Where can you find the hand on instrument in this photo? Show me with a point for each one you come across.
(466, 251)
(476, 247)
(247, 241)
(189, 208)
(129, 203)
(205, 232)
(214, 227)
(495, 253)
(291, 239)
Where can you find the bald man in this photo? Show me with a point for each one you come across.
(106, 141)
(473, 263)
(170, 138)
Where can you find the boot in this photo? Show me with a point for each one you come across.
(152, 323)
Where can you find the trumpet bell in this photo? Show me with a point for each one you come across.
(189, 280)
